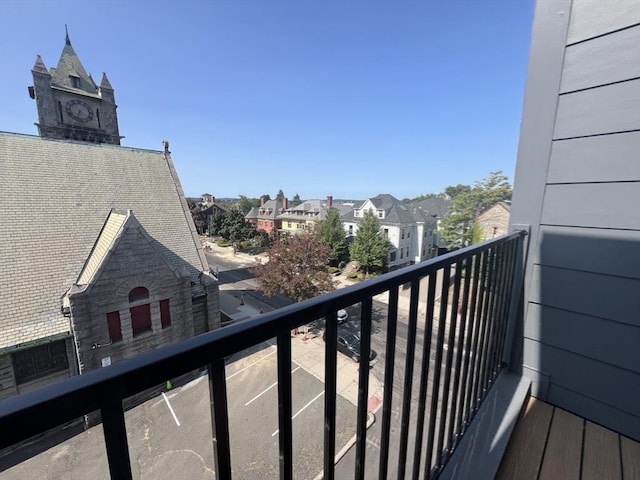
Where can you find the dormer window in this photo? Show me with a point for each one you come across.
(75, 81)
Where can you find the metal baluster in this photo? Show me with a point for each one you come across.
(330, 373)
(219, 419)
(115, 439)
(363, 386)
(285, 434)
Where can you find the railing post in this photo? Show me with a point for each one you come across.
(115, 438)
(516, 292)
(219, 419)
(330, 374)
(284, 406)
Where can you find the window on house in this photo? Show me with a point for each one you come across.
(115, 327)
(98, 118)
(40, 361)
(350, 229)
(60, 111)
(137, 294)
(401, 252)
(402, 233)
(392, 256)
(380, 214)
(407, 252)
(140, 314)
(165, 313)
(288, 224)
(386, 233)
(75, 82)
(409, 233)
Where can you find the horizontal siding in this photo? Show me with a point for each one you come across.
(599, 205)
(577, 373)
(608, 109)
(605, 296)
(597, 412)
(592, 337)
(612, 252)
(590, 18)
(606, 158)
(603, 60)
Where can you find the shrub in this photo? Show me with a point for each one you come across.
(352, 275)
(333, 270)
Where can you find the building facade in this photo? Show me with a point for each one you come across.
(577, 189)
(108, 265)
(494, 220)
(409, 231)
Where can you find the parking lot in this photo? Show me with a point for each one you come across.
(170, 435)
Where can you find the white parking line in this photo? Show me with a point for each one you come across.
(171, 409)
(251, 365)
(300, 411)
(266, 389)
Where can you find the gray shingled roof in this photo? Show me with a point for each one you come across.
(70, 189)
(396, 212)
(437, 206)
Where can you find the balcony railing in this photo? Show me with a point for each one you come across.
(468, 303)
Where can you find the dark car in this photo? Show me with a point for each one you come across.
(349, 344)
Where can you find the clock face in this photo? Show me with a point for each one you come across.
(79, 111)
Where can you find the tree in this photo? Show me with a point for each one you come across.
(457, 225)
(369, 247)
(280, 195)
(452, 191)
(332, 234)
(297, 267)
(296, 200)
(232, 226)
(245, 204)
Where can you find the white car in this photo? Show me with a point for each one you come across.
(342, 316)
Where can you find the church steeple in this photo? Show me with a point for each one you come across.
(70, 104)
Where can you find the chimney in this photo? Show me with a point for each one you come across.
(284, 203)
(262, 201)
(329, 201)
(213, 199)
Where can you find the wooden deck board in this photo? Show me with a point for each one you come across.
(564, 447)
(630, 454)
(523, 457)
(601, 454)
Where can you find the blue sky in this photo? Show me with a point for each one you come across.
(341, 98)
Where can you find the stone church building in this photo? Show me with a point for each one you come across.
(99, 256)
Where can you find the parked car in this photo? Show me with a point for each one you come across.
(342, 316)
(349, 344)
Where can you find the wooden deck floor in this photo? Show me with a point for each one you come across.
(551, 443)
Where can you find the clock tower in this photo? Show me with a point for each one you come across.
(70, 104)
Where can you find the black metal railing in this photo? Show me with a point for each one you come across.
(469, 299)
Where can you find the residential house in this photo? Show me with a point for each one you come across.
(436, 207)
(204, 210)
(109, 264)
(409, 230)
(299, 218)
(265, 217)
(494, 220)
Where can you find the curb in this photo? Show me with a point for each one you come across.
(371, 418)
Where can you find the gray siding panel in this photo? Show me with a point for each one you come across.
(609, 109)
(606, 158)
(590, 18)
(595, 411)
(600, 205)
(585, 335)
(611, 252)
(605, 296)
(602, 60)
(577, 373)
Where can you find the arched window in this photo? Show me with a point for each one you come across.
(137, 294)
(140, 314)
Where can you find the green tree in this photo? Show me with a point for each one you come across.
(280, 195)
(369, 247)
(457, 225)
(296, 200)
(234, 228)
(452, 191)
(333, 235)
(245, 204)
(297, 267)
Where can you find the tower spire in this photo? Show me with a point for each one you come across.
(66, 32)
